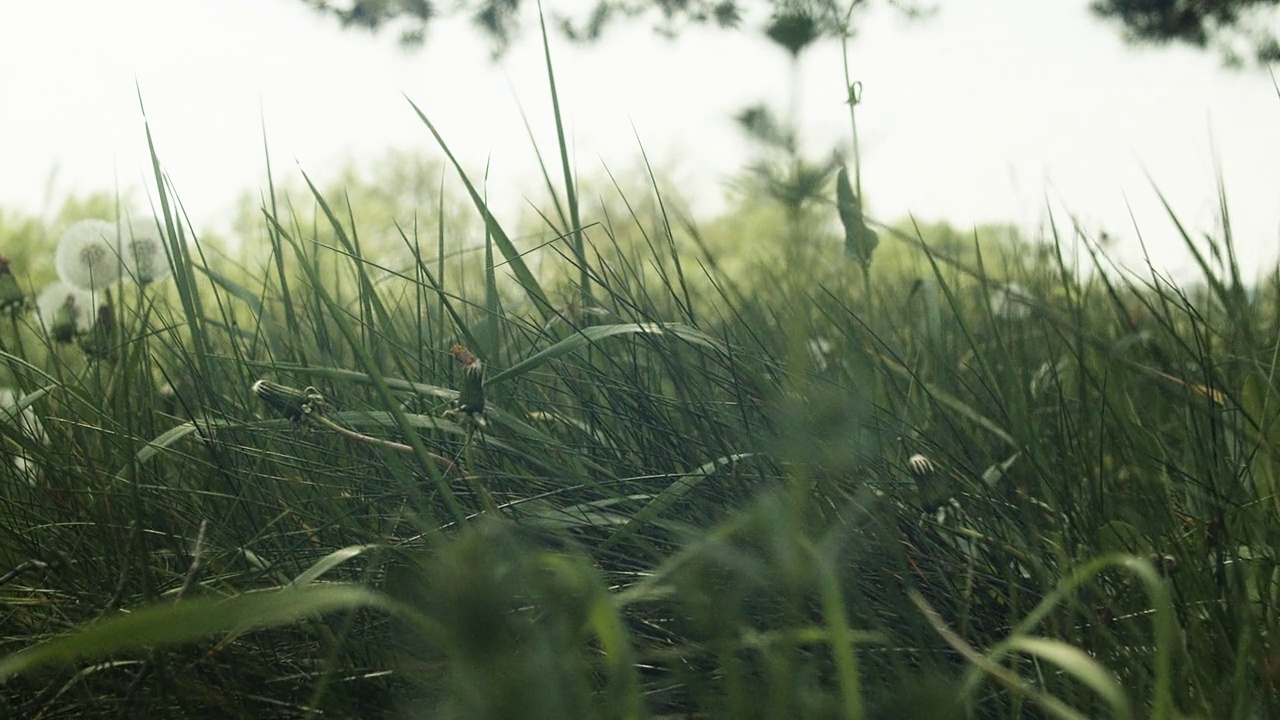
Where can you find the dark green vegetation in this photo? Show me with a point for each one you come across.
(1239, 31)
(613, 470)
(692, 494)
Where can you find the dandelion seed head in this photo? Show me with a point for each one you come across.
(88, 255)
(65, 311)
(144, 257)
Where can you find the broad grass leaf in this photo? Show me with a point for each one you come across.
(1079, 665)
(173, 435)
(514, 258)
(682, 486)
(329, 562)
(188, 620)
(238, 291)
(596, 333)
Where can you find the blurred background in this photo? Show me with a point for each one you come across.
(980, 111)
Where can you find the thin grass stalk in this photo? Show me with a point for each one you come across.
(389, 400)
(570, 184)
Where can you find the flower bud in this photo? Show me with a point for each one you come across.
(471, 395)
(296, 405)
(11, 297)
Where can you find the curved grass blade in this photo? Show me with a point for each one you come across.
(591, 514)
(570, 185)
(508, 249)
(947, 399)
(596, 333)
(357, 418)
(170, 437)
(189, 620)
(1079, 665)
(497, 416)
(1163, 620)
(238, 291)
(329, 562)
(673, 492)
(328, 373)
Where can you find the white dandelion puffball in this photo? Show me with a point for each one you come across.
(145, 260)
(88, 255)
(65, 311)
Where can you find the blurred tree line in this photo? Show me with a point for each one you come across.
(1238, 30)
(403, 208)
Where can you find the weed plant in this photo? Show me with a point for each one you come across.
(645, 488)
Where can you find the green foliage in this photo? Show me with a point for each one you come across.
(976, 482)
(392, 203)
(500, 20)
(1239, 30)
(659, 517)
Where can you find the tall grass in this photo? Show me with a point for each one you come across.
(843, 493)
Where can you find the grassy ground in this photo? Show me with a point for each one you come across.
(648, 488)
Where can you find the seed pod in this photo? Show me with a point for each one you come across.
(859, 240)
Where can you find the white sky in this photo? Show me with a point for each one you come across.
(984, 113)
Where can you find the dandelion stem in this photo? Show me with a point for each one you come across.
(445, 464)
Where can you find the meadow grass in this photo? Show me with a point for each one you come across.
(312, 484)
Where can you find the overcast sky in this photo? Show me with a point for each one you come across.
(987, 112)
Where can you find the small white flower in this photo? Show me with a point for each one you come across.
(88, 255)
(25, 420)
(145, 260)
(820, 353)
(1010, 301)
(20, 424)
(65, 312)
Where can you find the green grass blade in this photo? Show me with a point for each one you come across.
(1079, 665)
(514, 259)
(190, 620)
(671, 494)
(594, 334)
